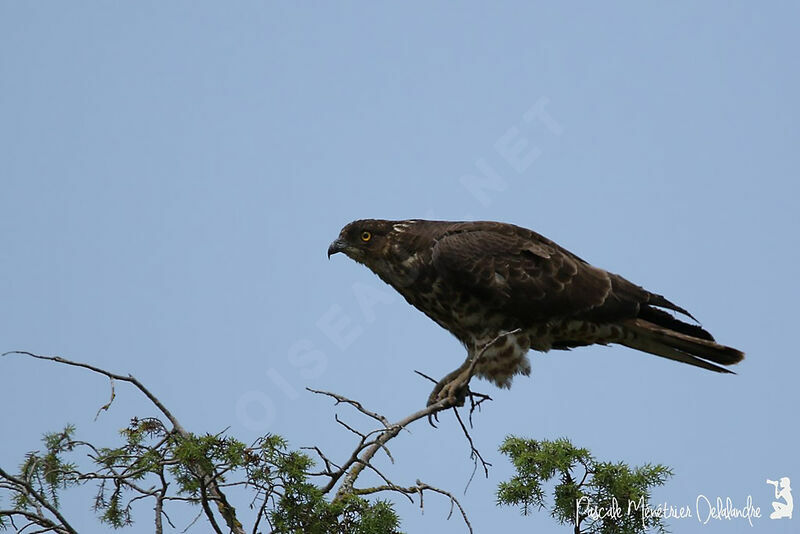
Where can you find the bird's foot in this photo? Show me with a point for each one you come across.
(453, 388)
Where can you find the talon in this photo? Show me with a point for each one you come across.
(454, 392)
(433, 398)
(431, 417)
(454, 387)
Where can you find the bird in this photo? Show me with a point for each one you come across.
(503, 290)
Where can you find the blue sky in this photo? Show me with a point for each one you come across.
(172, 175)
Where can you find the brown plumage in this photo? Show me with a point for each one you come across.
(482, 279)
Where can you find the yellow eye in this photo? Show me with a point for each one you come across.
(366, 236)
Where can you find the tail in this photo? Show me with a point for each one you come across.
(680, 346)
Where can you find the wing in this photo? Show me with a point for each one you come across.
(519, 272)
(528, 276)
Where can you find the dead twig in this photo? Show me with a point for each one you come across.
(419, 488)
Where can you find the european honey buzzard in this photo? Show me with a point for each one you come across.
(480, 280)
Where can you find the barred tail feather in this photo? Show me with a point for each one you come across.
(667, 343)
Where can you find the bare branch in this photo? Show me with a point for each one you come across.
(473, 453)
(105, 407)
(207, 509)
(159, 507)
(34, 520)
(328, 463)
(418, 489)
(359, 459)
(357, 405)
(198, 516)
(423, 375)
(473, 404)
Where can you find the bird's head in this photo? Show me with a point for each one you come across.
(366, 241)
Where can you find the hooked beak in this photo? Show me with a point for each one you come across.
(337, 246)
